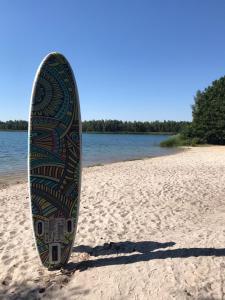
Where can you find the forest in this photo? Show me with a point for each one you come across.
(112, 126)
(14, 125)
(208, 112)
(133, 127)
(208, 118)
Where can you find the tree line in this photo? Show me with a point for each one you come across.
(133, 127)
(14, 125)
(208, 112)
(114, 126)
(207, 126)
(208, 118)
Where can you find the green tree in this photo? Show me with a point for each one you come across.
(208, 112)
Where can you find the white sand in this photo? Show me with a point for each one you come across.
(164, 218)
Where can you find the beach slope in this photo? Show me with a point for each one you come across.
(148, 229)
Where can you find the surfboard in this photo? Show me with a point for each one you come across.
(54, 160)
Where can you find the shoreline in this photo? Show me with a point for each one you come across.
(181, 149)
(7, 179)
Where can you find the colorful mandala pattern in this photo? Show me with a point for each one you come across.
(54, 160)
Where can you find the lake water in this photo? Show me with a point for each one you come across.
(97, 149)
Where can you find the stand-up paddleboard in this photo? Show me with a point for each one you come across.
(54, 160)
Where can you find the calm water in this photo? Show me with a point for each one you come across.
(97, 149)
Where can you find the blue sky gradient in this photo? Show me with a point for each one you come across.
(133, 60)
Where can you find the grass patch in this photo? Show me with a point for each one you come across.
(178, 141)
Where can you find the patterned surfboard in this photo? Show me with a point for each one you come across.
(54, 160)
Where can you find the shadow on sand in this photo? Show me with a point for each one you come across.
(144, 251)
(122, 247)
(128, 253)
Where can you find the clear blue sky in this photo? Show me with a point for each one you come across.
(133, 60)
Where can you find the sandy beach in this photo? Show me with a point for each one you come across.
(148, 229)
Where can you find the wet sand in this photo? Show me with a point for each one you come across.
(6, 180)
